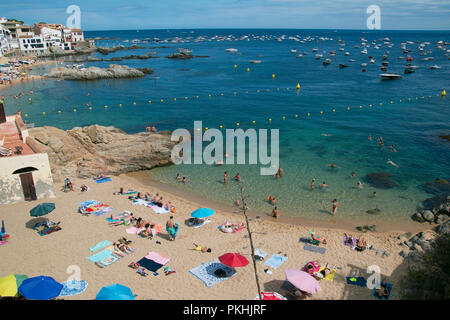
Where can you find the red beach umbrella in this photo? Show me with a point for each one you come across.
(233, 260)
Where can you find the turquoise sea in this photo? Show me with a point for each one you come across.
(412, 115)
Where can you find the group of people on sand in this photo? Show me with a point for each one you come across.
(361, 243)
(156, 200)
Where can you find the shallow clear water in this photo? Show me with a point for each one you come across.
(413, 126)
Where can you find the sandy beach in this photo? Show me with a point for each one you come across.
(31, 254)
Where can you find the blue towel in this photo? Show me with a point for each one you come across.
(73, 287)
(103, 180)
(88, 203)
(100, 255)
(313, 248)
(149, 264)
(388, 287)
(205, 272)
(360, 281)
(100, 245)
(275, 261)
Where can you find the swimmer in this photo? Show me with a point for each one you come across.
(237, 177)
(359, 185)
(392, 148)
(380, 141)
(335, 206)
(391, 162)
(369, 137)
(184, 180)
(313, 184)
(178, 177)
(326, 134)
(374, 194)
(280, 171)
(225, 177)
(352, 175)
(324, 185)
(332, 165)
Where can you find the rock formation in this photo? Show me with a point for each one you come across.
(87, 152)
(93, 73)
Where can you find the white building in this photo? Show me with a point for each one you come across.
(4, 46)
(51, 33)
(32, 44)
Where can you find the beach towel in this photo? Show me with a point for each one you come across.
(134, 230)
(329, 277)
(149, 264)
(275, 261)
(159, 210)
(259, 253)
(47, 231)
(72, 288)
(156, 257)
(226, 230)
(100, 245)
(103, 180)
(100, 255)
(205, 272)
(312, 248)
(3, 242)
(357, 281)
(88, 203)
(388, 287)
(141, 202)
(201, 224)
(108, 260)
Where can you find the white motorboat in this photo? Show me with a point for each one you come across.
(390, 76)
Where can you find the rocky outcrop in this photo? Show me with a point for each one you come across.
(106, 51)
(87, 152)
(439, 214)
(380, 180)
(93, 73)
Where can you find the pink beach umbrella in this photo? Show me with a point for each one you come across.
(302, 280)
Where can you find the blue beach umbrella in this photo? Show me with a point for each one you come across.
(42, 209)
(115, 292)
(40, 288)
(202, 213)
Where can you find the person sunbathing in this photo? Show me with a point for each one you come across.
(349, 239)
(318, 238)
(84, 188)
(361, 244)
(383, 291)
(123, 220)
(202, 249)
(326, 271)
(118, 246)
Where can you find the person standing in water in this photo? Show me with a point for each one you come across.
(275, 213)
(313, 184)
(352, 175)
(335, 206)
(225, 177)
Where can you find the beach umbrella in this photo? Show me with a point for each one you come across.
(40, 288)
(202, 213)
(42, 209)
(10, 284)
(233, 260)
(302, 280)
(115, 292)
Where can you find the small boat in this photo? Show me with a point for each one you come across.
(390, 76)
(409, 70)
(347, 53)
(231, 50)
(363, 64)
(299, 55)
(318, 56)
(435, 67)
(351, 60)
(255, 61)
(383, 69)
(385, 63)
(341, 66)
(372, 61)
(293, 50)
(326, 62)
(315, 50)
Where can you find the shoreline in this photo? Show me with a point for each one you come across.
(335, 222)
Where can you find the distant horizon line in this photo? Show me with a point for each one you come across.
(333, 29)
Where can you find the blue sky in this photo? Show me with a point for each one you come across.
(172, 14)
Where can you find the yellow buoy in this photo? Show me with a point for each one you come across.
(149, 101)
(392, 102)
(59, 111)
(106, 107)
(348, 108)
(237, 124)
(206, 128)
(120, 105)
(443, 93)
(234, 93)
(74, 110)
(308, 114)
(185, 98)
(360, 107)
(284, 118)
(134, 103)
(270, 119)
(321, 112)
(220, 126)
(43, 113)
(246, 92)
(248, 69)
(26, 115)
(162, 100)
(334, 110)
(196, 97)
(90, 108)
(400, 100)
(298, 86)
(221, 94)
(296, 115)
(381, 104)
(273, 76)
(235, 66)
(174, 99)
(370, 105)
(209, 95)
(257, 91)
(253, 121)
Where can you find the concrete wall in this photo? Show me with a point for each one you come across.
(10, 185)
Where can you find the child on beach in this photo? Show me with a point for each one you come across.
(275, 213)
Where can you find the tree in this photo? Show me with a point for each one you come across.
(244, 209)
(430, 279)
